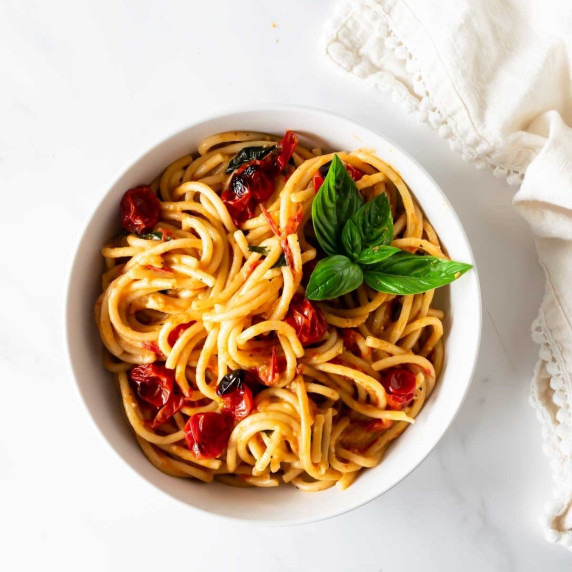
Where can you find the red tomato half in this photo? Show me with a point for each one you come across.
(307, 320)
(254, 182)
(267, 373)
(234, 391)
(238, 206)
(354, 173)
(153, 382)
(174, 404)
(238, 403)
(140, 210)
(176, 332)
(287, 147)
(318, 180)
(207, 434)
(399, 384)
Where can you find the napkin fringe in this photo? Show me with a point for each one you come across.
(552, 410)
(415, 98)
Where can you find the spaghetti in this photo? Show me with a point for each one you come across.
(226, 370)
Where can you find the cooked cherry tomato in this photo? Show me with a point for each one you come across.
(317, 180)
(268, 373)
(153, 382)
(140, 210)
(253, 182)
(399, 384)
(256, 178)
(235, 393)
(166, 234)
(176, 332)
(322, 172)
(239, 207)
(174, 404)
(287, 147)
(207, 434)
(307, 320)
(354, 173)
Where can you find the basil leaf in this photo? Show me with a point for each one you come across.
(259, 249)
(263, 250)
(247, 154)
(352, 238)
(155, 235)
(375, 254)
(337, 200)
(405, 273)
(371, 225)
(280, 262)
(333, 277)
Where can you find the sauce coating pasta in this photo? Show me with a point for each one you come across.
(226, 370)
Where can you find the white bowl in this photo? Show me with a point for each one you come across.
(285, 504)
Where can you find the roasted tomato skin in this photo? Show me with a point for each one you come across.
(318, 180)
(269, 373)
(153, 382)
(400, 385)
(140, 210)
(240, 207)
(207, 434)
(254, 182)
(236, 394)
(173, 405)
(176, 332)
(354, 173)
(307, 320)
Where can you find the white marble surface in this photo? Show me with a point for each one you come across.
(86, 87)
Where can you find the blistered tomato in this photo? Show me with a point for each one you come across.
(236, 394)
(307, 320)
(207, 434)
(140, 210)
(153, 382)
(176, 332)
(253, 182)
(399, 384)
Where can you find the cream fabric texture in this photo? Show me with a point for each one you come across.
(494, 77)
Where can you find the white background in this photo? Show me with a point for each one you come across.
(85, 87)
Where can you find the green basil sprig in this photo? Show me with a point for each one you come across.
(247, 154)
(337, 200)
(370, 226)
(406, 273)
(263, 250)
(357, 237)
(336, 274)
(155, 235)
(258, 249)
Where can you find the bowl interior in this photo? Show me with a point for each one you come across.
(282, 505)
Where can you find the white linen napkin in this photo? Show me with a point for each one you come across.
(495, 78)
